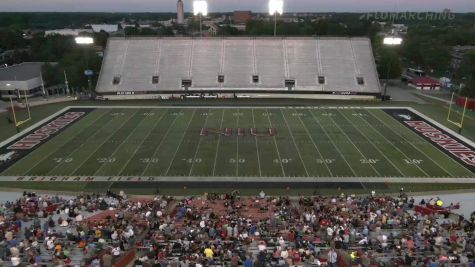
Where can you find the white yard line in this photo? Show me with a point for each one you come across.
(315, 145)
(217, 145)
(416, 147)
(295, 144)
(56, 150)
(141, 143)
(400, 151)
(198, 147)
(244, 179)
(160, 144)
(122, 143)
(237, 145)
(333, 143)
(351, 142)
(379, 151)
(181, 141)
(275, 144)
(105, 140)
(257, 147)
(81, 145)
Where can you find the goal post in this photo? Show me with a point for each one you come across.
(459, 124)
(17, 122)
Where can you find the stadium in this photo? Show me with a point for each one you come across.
(276, 146)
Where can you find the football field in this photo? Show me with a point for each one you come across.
(258, 143)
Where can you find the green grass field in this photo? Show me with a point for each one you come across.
(309, 143)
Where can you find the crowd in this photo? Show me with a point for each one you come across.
(230, 230)
(66, 231)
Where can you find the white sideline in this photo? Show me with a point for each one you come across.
(27, 130)
(184, 179)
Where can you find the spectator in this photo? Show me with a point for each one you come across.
(332, 258)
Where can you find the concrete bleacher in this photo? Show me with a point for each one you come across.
(301, 62)
(206, 63)
(174, 64)
(270, 63)
(136, 60)
(238, 60)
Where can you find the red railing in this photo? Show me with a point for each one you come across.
(470, 103)
(126, 259)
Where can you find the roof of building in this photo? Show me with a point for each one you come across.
(74, 32)
(346, 64)
(21, 72)
(105, 27)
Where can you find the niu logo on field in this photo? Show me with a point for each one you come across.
(267, 132)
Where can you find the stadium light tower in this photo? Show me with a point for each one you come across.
(86, 41)
(276, 7)
(81, 40)
(200, 7)
(390, 41)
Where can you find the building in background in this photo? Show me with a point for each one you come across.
(180, 13)
(424, 83)
(458, 53)
(213, 29)
(73, 32)
(109, 28)
(241, 17)
(24, 77)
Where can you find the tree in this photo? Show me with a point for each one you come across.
(466, 73)
(74, 63)
(52, 74)
(389, 64)
(469, 89)
(11, 39)
(228, 30)
(100, 38)
(436, 57)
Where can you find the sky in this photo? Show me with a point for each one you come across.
(230, 5)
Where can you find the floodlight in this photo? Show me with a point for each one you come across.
(8, 84)
(392, 41)
(200, 7)
(276, 7)
(84, 40)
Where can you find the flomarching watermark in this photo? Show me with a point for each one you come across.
(400, 16)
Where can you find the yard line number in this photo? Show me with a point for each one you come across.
(284, 161)
(105, 160)
(192, 160)
(369, 161)
(240, 160)
(413, 161)
(63, 160)
(149, 160)
(325, 161)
